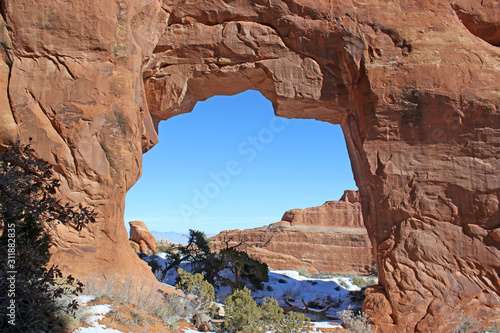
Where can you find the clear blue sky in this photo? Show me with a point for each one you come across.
(232, 164)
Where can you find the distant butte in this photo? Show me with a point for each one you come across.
(330, 238)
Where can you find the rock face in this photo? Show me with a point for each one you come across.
(414, 85)
(345, 213)
(140, 234)
(329, 238)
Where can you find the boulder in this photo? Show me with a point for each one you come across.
(139, 233)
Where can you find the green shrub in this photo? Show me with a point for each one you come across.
(244, 315)
(241, 313)
(198, 253)
(195, 284)
(304, 272)
(343, 284)
(294, 323)
(272, 314)
(357, 296)
(361, 282)
(316, 304)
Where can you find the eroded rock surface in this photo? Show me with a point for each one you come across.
(139, 233)
(329, 238)
(414, 85)
(345, 213)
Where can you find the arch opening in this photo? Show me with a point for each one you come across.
(290, 158)
(421, 130)
(232, 164)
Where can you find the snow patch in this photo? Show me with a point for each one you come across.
(84, 299)
(321, 324)
(97, 312)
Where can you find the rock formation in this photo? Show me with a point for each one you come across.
(163, 241)
(345, 213)
(414, 85)
(139, 233)
(329, 238)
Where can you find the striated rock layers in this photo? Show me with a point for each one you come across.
(330, 238)
(139, 233)
(414, 85)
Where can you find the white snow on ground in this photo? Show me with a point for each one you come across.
(309, 288)
(301, 289)
(322, 324)
(288, 284)
(296, 276)
(84, 299)
(314, 327)
(282, 284)
(97, 312)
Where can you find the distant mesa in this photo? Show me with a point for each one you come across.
(163, 237)
(169, 238)
(330, 238)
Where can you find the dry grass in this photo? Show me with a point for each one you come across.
(171, 309)
(132, 290)
(362, 282)
(127, 317)
(355, 323)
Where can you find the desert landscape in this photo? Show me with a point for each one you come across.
(414, 86)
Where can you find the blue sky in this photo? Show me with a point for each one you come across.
(232, 164)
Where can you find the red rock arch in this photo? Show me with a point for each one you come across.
(415, 91)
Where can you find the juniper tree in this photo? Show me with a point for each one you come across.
(196, 251)
(28, 208)
(245, 267)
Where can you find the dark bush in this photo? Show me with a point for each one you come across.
(245, 267)
(28, 209)
(357, 296)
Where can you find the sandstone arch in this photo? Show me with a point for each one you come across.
(415, 91)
